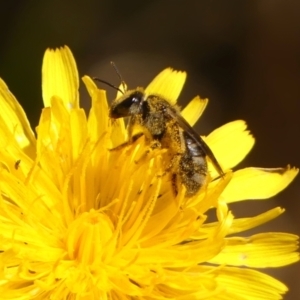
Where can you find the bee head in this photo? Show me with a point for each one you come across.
(131, 103)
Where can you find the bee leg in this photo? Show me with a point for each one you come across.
(132, 140)
(172, 168)
(153, 145)
(174, 162)
(174, 184)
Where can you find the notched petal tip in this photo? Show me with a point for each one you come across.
(193, 111)
(15, 119)
(98, 122)
(223, 143)
(90, 85)
(282, 171)
(60, 77)
(167, 84)
(258, 183)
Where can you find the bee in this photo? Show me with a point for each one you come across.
(165, 128)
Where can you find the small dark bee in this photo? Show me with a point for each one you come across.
(164, 127)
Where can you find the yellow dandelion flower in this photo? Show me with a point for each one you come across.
(81, 221)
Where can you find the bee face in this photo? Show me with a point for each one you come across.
(131, 103)
(164, 126)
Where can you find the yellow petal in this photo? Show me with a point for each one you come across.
(242, 283)
(97, 120)
(15, 120)
(79, 133)
(123, 88)
(230, 144)
(255, 183)
(60, 77)
(193, 111)
(243, 224)
(167, 84)
(265, 250)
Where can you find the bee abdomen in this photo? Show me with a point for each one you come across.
(193, 167)
(192, 147)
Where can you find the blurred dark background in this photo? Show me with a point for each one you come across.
(243, 55)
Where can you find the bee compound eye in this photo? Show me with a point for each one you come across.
(136, 98)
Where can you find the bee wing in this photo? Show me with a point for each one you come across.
(196, 137)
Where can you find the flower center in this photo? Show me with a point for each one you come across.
(88, 237)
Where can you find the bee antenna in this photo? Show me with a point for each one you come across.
(119, 75)
(109, 84)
